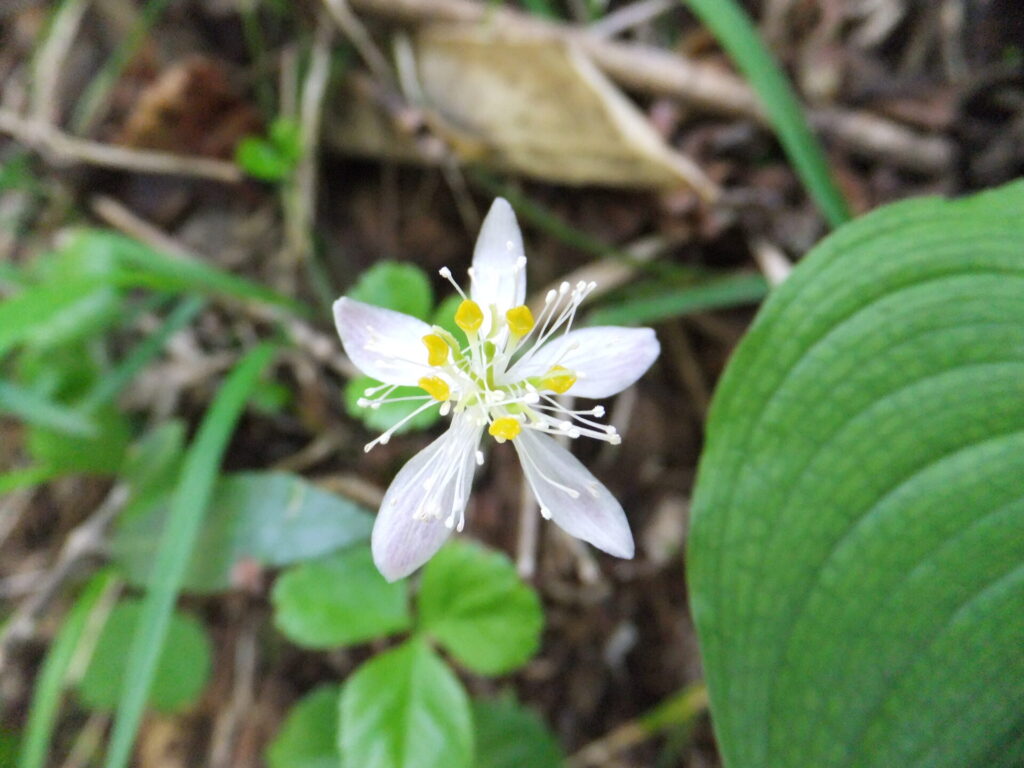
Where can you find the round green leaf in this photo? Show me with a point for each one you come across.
(389, 413)
(262, 160)
(509, 735)
(405, 709)
(473, 602)
(309, 736)
(856, 561)
(395, 285)
(271, 517)
(339, 600)
(286, 135)
(181, 673)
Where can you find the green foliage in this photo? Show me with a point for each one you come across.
(339, 600)
(730, 24)
(152, 463)
(49, 684)
(395, 285)
(194, 489)
(509, 735)
(272, 517)
(309, 736)
(9, 746)
(34, 408)
(275, 157)
(652, 302)
(855, 561)
(100, 453)
(405, 709)
(181, 672)
(474, 604)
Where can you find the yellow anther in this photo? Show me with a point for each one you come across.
(436, 387)
(558, 379)
(520, 320)
(469, 317)
(437, 349)
(504, 428)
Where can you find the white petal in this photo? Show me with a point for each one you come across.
(382, 343)
(589, 511)
(499, 277)
(606, 359)
(437, 481)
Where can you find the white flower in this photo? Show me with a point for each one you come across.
(506, 380)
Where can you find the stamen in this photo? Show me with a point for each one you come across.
(447, 275)
(437, 349)
(436, 387)
(520, 320)
(469, 317)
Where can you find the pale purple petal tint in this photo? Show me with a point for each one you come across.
(433, 484)
(382, 343)
(571, 496)
(605, 360)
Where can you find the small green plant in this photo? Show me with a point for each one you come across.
(406, 707)
(272, 158)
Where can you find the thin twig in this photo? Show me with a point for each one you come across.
(300, 197)
(322, 347)
(49, 62)
(629, 17)
(88, 741)
(773, 263)
(60, 148)
(354, 30)
(85, 541)
(529, 527)
(680, 709)
(242, 695)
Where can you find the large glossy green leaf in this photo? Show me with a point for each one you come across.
(405, 709)
(273, 518)
(857, 555)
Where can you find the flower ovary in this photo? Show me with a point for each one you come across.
(505, 428)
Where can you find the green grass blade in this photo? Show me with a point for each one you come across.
(734, 30)
(46, 696)
(187, 509)
(665, 303)
(23, 478)
(22, 314)
(143, 266)
(35, 409)
(143, 354)
(88, 107)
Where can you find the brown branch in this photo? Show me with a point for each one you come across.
(61, 148)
